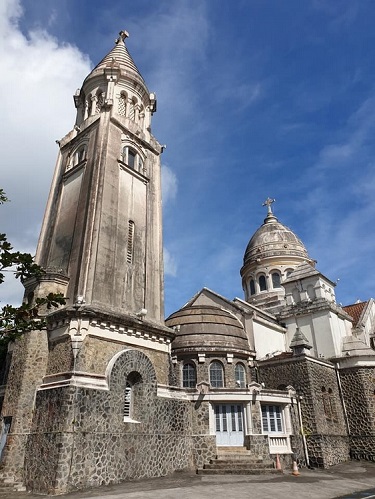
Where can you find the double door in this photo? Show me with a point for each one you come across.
(229, 425)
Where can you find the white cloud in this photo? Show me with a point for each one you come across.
(169, 184)
(170, 265)
(39, 77)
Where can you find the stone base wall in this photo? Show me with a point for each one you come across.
(27, 368)
(258, 445)
(80, 439)
(362, 447)
(327, 450)
(204, 449)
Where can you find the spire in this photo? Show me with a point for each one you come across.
(118, 57)
(270, 216)
(299, 343)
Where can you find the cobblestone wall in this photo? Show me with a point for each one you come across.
(26, 372)
(321, 408)
(80, 438)
(358, 387)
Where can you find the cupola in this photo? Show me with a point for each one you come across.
(272, 253)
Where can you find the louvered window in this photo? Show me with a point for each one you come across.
(130, 245)
(122, 105)
(128, 400)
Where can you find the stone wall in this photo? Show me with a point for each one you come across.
(27, 369)
(80, 439)
(358, 387)
(94, 355)
(321, 408)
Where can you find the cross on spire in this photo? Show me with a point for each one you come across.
(122, 35)
(268, 202)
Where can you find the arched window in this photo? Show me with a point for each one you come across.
(252, 287)
(133, 103)
(189, 375)
(262, 283)
(276, 280)
(288, 272)
(99, 101)
(122, 104)
(88, 106)
(240, 375)
(132, 159)
(133, 381)
(79, 155)
(216, 374)
(127, 400)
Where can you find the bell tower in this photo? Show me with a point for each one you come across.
(101, 246)
(102, 228)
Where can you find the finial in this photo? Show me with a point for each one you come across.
(122, 36)
(268, 202)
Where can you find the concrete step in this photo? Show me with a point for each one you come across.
(233, 450)
(241, 457)
(237, 466)
(236, 471)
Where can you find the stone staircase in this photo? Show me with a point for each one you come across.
(237, 461)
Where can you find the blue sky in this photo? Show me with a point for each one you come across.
(256, 98)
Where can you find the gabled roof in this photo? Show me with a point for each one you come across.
(237, 304)
(355, 311)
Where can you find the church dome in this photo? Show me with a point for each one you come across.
(273, 239)
(207, 329)
(273, 252)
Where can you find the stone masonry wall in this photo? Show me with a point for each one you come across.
(95, 354)
(80, 439)
(358, 387)
(26, 372)
(325, 431)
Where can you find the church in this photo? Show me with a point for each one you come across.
(111, 391)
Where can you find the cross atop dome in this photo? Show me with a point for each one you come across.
(268, 202)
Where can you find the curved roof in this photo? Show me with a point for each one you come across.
(274, 239)
(120, 58)
(207, 328)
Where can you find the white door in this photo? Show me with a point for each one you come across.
(229, 425)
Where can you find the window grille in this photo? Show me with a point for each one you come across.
(129, 249)
(127, 400)
(189, 376)
(122, 105)
(99, 102)
(216, 375)
(239, 374)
